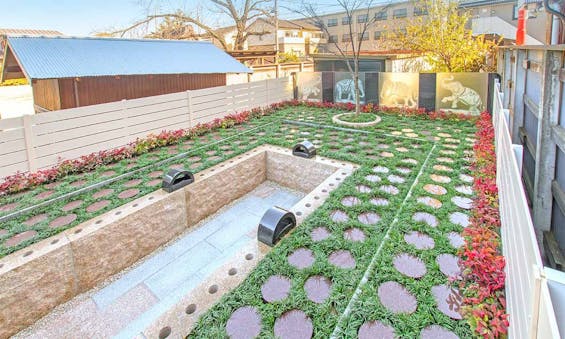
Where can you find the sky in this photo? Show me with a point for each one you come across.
(86, 17)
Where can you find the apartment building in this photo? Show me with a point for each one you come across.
(298, 38)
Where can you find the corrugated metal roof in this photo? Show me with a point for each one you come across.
(60, 57)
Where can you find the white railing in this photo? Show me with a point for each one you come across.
(527, 296)
(29, 143)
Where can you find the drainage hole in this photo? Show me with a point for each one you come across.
(98, 221)
(338, 179)
(308, 205)
(232, 271)
(316, 197)
(331, 184)
(298, 213)
(213, 289)
(151, 198)
(248, 256)
(190, 309)
(78, 231)
(135, 205)
(54, 241)
(325, 190)
(164, 332)
(343, 173)
(28, 253)
(118, 212)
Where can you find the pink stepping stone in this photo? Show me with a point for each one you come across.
(449, 265)
(195, 165)
(214, 158)
(440, 178)
(301, 258)
(350, 201)
(44, 195)
(244, 323)
(425, 217)
(108, 173)
(396, 298)
(72, 205)
(53, 185)
(437, 332)
(379, 201)
(403, 170)
(466, 178)
(63, 221)
(97, 206)
(276, 288)
(319, 234)
(448, 301)
(419, 240)
(339, 216)
(132, 192)
(409, 265)
(156, 174)
(435, 189)
(133, 182)
(342, 259)
(19, 238)
(354, 234)
(3, 232)
(36, 219)
(294, 324)
(375, 329)
(317, 288)
(369, 218)
(429, 201)
(459, 218)
(455, 240)
(363, 189)
(78, 183)
(8, 207)
(389, 189)
(154, 182)
(103, 193)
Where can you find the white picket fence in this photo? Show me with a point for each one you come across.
(527, 295)
(33, 142)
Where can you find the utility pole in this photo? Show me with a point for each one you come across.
(276, 31)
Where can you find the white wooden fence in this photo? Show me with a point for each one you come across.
(527, 295)
(33, 142)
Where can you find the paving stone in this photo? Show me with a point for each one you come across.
(448, 301)
(317, 288)
(410, 161)
(154, 182)
(72, 205)
(156, 174)
(462, 202)
(437, 332)
(53, 185)
(380, 169)
(44, 195)
(294, 324)
(445, 159)
(373, 178)
(409, 265)
(244, 323)
(379, 201)
(444, 135)
(339, 216)
(63, 220)
(466, 178)
(97, 206)
(132, 192)
(435, 189)
(132, 183)
(390, 189)
(429, 201)
(447, 152)
(3, 232)
(449, 265)
(319, 234)
(386, 154)
(442, 168)
(455, 240)
(354, 234)
(402, 149)
(276, 288)
(425, 217)
(8, 207)
(108, 173)
(78, 183)
(459, 218)
(440, 178)
(396, 298)
(103, 193)
(369, 218)
(301, 258)
(342, 259)
(375, 330)
(19, 238)
(36, 219)
(419, 240)
(350, 201)
(395, 179)
(363, 189)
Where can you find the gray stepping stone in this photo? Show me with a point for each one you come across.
(429, 201)
(363, 189)
(410, 161)
(379, 201)
(425, 217)
(403, 170)
(294, 324)
(318, 288)
(435, 189)
(339, 216)
(380, 169)
(354, 234)
(276, 288)
(462, 202)
(464, 189)
(448, 301)
(244, 323)
(375, 330)
(395, 179)
(466, 178)
(455, 240)
(437, 332)
(409, 265)
(369, 218)
(350, 201)
(449, 265)
(389, 189)
(342, 259)
(301, 258)
(459, 218)
(396, 298)
(419, 240)
(319, 234)
(373, 178)
(440, 178)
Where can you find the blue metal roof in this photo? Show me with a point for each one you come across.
(64, 57)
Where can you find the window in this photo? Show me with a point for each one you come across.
(332, 22)
(317, 35)
(345, 20)
(332, 38)
(363, 36)
(291, 34)
(379, 16)
(419, 11)
(346, 38)
(378, 35)
(399, 13)
(362, 18)
(515, 12)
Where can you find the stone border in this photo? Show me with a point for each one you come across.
(36, 279)
(336, 120)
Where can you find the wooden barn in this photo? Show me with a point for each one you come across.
(72, 72)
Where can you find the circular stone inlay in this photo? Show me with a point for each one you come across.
(44, 195)
(132, 192)
(375, 329)
(389, 189)
(448, 301)
(368, 218)
(78, 183)
(8, 207)
(443, 168)
(410, 161)
(97, 206)
(419, 240)
(319, 234)
(363, 189)
(449, 265)
(132, 183)
(103, 193)
(244, 323)
(445, 159)
(425, 217)
(294, 324)
(156, 174)
(466, 178)
(63, 221)
(350, 201)
(72, 205)
(409, 265)
(380, 169)
(379, 201)
(459, 218)
(36, 219)
(440, 178)
(373, 178)
(462, 202)
(354, 234)
(395, 179)
(464, 189)
(108, 173)
(455, 240)
(19, 238)
(342, 259)
(301, 258)
(437, 332)
(339, 216)
(318, 288)
(396, 298)
(435, 189)
(429, 201)
(276, 288)
(403, 170)
(154, 182)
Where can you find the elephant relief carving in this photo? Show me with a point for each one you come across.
(398, 94)
(346, 87)
(461, 95)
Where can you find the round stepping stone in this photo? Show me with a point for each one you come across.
(276, 288)
(466, 178)
(193, 159)
(462, 202)
(301, 258)
(395, 179)
(318, 288)
(44, 195)
(63, 221)
(444, 135)
(379, 201)
(3, 232)
(429, 201)
(425, 217)
(453, 140)
(459, 218)
(342, 259)
(78, 183)
(409, 265)
(19, 238)
(108, 173)
(72, 205)
(383, 146)
(437, 332)
(339, 216)
(419, 240)
(403, 170)
(294, 324)
(103, 193)
(449, 265)
(132, 183)
(8, 207)
(354, 234)
(440, 178)
(156, 174)
(373, 178)
(412, 135)
(402, 149)
(386, 154)
(380, 169)
(396, 298)
(447, 152)
(435, 189)
(369, 218)
(375, 329)
(132, 192)
(410, 161)
(36, 219)
(442, 168)
(445, 159)
(363, 189)
(244, 323)
(448, 301)
(455, 240)
(350, 201)
(319, 234)
(97, 206)
(450, 146)
(389, 189)
(53, 185)
(214, 158)
(154, 182)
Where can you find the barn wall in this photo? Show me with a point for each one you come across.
(97, 90)
(46, 94)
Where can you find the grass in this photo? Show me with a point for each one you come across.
(358, 118)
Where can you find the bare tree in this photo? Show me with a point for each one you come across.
(357, 31)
